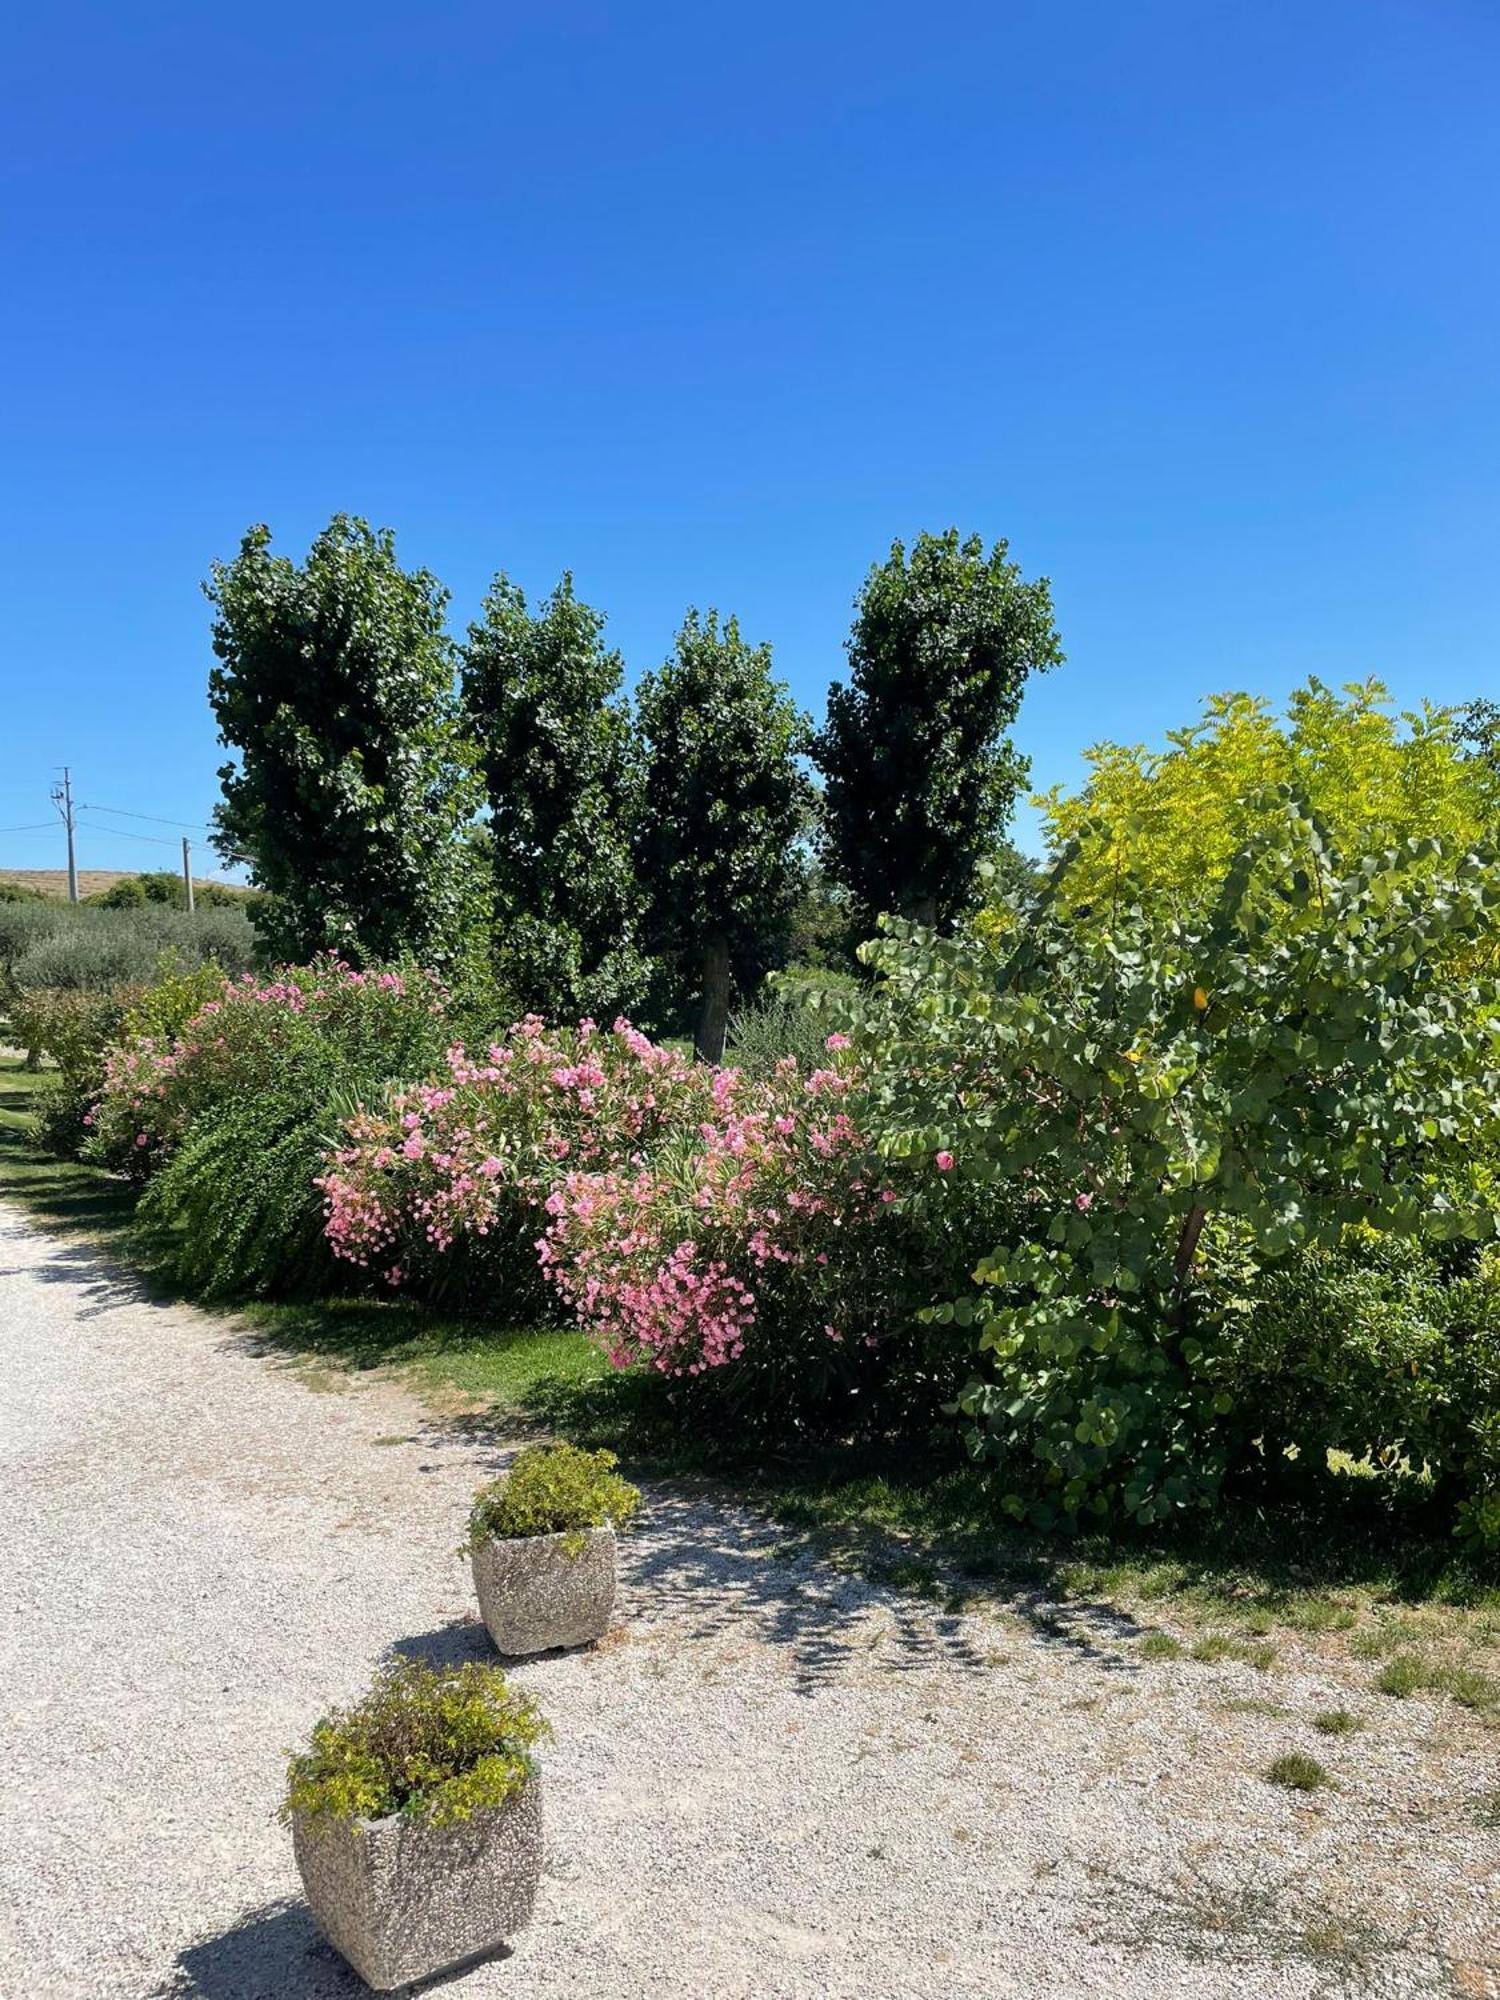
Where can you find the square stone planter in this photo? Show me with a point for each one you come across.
(538, 1592)
(403, 1900)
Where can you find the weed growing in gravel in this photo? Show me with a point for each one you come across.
(1297, 1772)
(1216, 1646)
(1487, 1812)
(1160, 1646)
(1404, 1675)
(1337, 1722)
(1256, 1921)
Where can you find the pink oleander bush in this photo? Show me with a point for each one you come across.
(441, 1188)
(738, 1239)
(313, 1028)
(735, 1236)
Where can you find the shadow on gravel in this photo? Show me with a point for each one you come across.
(277, 1950)
(278, 1953)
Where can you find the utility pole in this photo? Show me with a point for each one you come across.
(62, 798)
(187, 871)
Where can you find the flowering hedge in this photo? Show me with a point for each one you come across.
(441, 1187)
(689, 1218)
(324, 1018)
(725, 1240)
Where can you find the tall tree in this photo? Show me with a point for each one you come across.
(557, 749)
(335, 686)
(725, 798)
(919, 776)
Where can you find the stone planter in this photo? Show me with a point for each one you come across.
(535, 1595)
(403, 1900)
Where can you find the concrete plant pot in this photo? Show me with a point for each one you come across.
(539, 1592)
(402, 1899)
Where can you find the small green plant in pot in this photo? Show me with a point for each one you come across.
(542, 1545)
(416, 1819)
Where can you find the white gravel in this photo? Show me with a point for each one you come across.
(774, 1781)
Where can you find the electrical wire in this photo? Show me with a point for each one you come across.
(192, 825)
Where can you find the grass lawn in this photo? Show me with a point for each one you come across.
(1363, 1579)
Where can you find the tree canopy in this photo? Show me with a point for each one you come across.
(919, 776)
(724, 802)
(557, 749)
(335, 686)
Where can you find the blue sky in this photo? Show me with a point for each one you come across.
(1196, 303)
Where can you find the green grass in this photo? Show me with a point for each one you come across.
(1298, 1773)
(1336, 1722)
(921, 1518)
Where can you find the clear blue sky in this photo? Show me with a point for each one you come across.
(1197, 303)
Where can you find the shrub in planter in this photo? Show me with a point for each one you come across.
(542, 1546)
(416, 1820)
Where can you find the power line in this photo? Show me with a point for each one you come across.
(124, 833)
(192, 825)
(36, 826)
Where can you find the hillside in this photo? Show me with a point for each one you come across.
(54, 881)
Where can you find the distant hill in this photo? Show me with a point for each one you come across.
(54, 881)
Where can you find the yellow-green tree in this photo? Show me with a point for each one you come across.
(1168, 822)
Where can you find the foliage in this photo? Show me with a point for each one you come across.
(235, 1211)
(759, 1263)
(56, 945)
(558, 754)
(352, 787)
(1170, 822)
(775, 1026)
(1179, 1105)
(321, 1027)
(165, 886)
(440, 1187)
(19, 892)
(1384, 1350)
(716, 850)
(919, 775)
(553, 1489)
(435, 1744)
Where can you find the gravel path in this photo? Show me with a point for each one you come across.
(773, 1781)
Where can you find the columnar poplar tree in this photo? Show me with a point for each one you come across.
(352, 788)
(919, 776)
(557, 749)
(724, 802)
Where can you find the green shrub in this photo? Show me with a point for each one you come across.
(239, 1107)
(553, 1489)
(773, 1029)
(1184, 1102)
(1298, 1773)
(236, 1211)
(436, 1745)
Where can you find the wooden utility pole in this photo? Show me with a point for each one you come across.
(187, 871)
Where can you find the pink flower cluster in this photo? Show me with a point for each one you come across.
(474, 1151)
(154, 1086)
(678, 1263)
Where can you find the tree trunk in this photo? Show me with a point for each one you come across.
(713, 1015)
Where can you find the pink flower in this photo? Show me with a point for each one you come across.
(837, 1042)
(944, 1162)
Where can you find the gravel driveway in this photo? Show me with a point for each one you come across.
(772, 1781)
